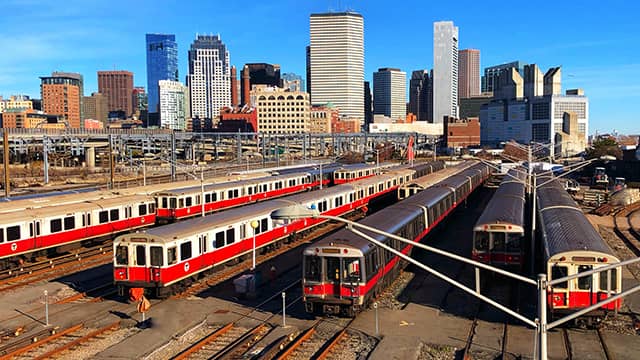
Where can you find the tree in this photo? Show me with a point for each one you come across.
(604, 146)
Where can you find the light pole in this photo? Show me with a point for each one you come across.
(254, 225)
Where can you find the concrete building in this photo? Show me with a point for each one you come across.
(513, 116)
(174, 104)
(421, 95)
(162, 64)
(209, 78)
(238, 119)
(15, 102)
(19, 118)
(533, 81)
(468, 73)
(61, 96)
(293, 82)
(390, 93)
(336, 61)
(491, 74)
(470, 107)
(570, 140)
(459, 133)
(445, 70)
(420, 127)
(322, 118)
(95, 107)
(281, 111)
(117, 87)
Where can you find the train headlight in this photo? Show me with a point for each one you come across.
(604, 259)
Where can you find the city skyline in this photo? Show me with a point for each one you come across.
(94, 40)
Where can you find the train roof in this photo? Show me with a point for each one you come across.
(433, 178)
(563, 226)
(61, 210)
(507, 204)
(167, 233)
(226, 185)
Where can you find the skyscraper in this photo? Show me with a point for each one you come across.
(174, 104)
(162, 64)
(445, 70)
(420, 95)
(293, 82)
(490, 78)
(336, 61)
(469, 73)
(80, 79)
(368, 106)
(209, 78)
(95, 107)
(390, 93)
(61, 96)
(117, 86)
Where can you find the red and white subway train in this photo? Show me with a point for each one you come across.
(571, 245)
(31, 227)
(343, 273)
(498, 236)
(165, 258)
(36, 232)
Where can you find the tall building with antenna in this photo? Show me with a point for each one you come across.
(336, 61)
(209, 78)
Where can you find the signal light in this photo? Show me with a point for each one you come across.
(563, 258)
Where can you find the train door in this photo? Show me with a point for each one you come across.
(560, 292)
(584, 288)
(606, 290)
(34, 231)
(140, 260)
(156, 261)
(334, 269)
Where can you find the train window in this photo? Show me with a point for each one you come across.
(13, 233)
(141, 258)
(498, 241)
(189, 201)
(231, 236)
(122, 255)
(156, 255)
(352, 269)
(481, 242)
(292, 183)
(173, 203)
(312, 268)
(558, 272)
(236, 193)
(142, 210)
(230, 194)
(56, 225)
(69, 223)
(114, 214)
(514, 243)
(250, 190)
(103, 216)
(380, 187)
(152, 209)
(185, 251)
(243, 231)
(214, 196)
(172, 257)
(264, 225)
(207, 198)
(219, 239)
(584, 283)
(164, 202)
(1, 235)
(181, 203)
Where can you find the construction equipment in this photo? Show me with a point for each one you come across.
(619, 183)
(600, 178)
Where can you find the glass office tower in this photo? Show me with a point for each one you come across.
(162, 64)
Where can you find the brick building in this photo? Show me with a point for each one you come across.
(117, 87)
(346, 125)
(238, 119)
(61, 96)
(461, 132)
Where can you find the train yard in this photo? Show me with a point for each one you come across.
(416, 315)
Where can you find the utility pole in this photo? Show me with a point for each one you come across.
(5, 143)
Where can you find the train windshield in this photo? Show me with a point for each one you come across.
(498, 241)
(482, 241)
(558, 272)
(603, 280)
(343, 269)
(122, 255)
(312, 268)
(584, 283)
(156, 255)
(513, 243)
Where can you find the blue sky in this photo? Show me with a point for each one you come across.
(596, 43)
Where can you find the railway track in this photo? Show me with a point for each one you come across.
(59, 266)
(58, 342)
(625, 230)
(586, 344)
